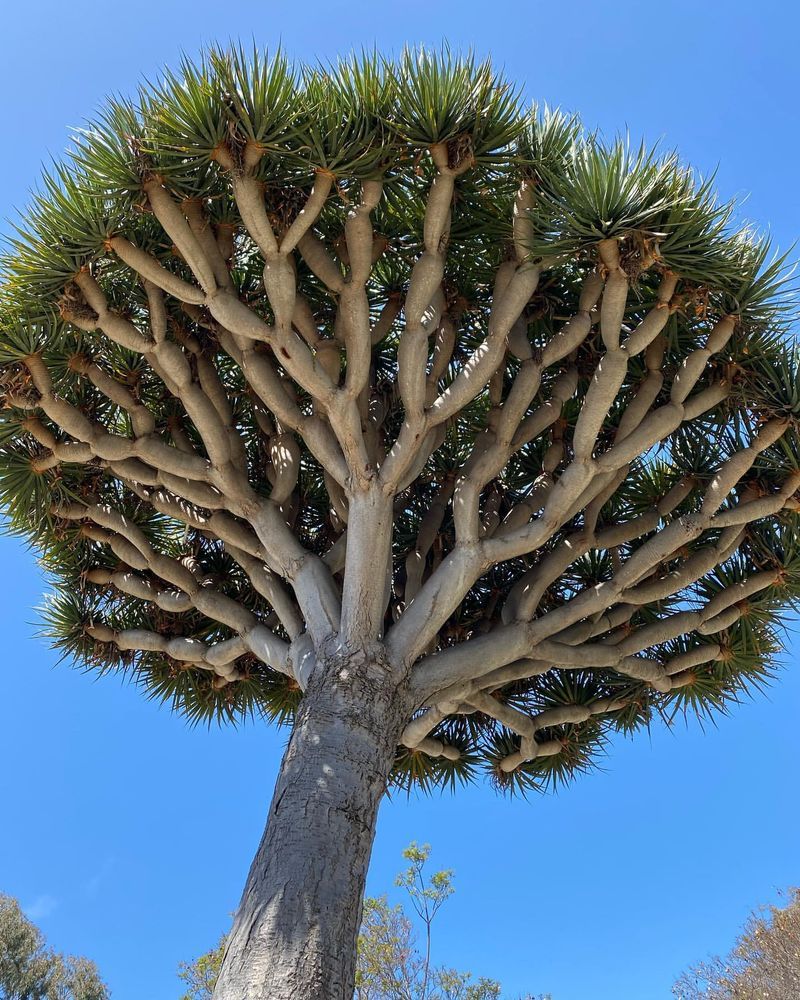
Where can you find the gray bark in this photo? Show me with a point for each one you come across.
(294, 936)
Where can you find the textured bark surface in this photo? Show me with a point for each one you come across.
(295, 932)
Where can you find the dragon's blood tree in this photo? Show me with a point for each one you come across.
(363, 399)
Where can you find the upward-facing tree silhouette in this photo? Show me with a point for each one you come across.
(361, 398)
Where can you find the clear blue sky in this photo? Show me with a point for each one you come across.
(128, 835)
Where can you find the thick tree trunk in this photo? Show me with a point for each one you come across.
(294, 936)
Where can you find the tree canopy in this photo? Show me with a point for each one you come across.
(258, 296)
(31, 971)
(764, 963)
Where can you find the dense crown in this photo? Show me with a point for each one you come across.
(261, 299)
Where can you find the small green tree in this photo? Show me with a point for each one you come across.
(764, 963)
(426, 896)
(389, 966)
(201, 975)
(31, 971)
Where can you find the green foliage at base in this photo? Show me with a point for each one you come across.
(31, 971)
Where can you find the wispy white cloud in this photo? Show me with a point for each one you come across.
(92, 885)
(41, 907)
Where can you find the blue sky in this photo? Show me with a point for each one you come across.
(128, 835)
